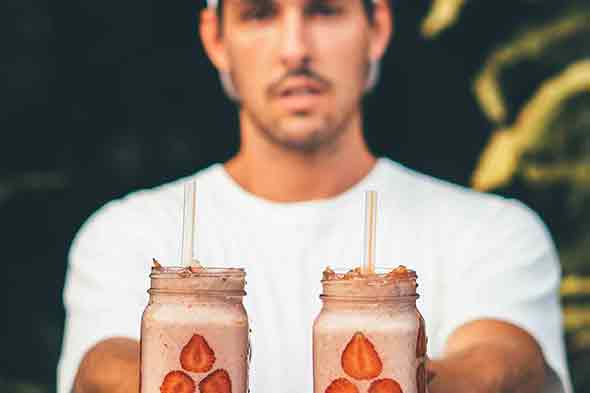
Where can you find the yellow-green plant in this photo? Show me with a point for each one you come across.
(542, 145)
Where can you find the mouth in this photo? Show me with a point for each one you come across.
(299, 95)
(299, 91)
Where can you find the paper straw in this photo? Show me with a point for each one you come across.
(368, 266)
(188, 223)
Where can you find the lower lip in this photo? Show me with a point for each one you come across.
(299, 102)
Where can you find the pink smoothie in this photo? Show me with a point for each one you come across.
(194, 326)
(368, 332)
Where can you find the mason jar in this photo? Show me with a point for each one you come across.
(369, 336)
(194, 332)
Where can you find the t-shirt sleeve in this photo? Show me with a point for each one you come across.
(106, 284)
(511, 272)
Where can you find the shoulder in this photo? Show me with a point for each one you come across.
(152, 201)
(438, 198)
(463, 218)
(145, 214)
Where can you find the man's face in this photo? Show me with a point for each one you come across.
(299, 66)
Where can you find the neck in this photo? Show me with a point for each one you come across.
(280, 174)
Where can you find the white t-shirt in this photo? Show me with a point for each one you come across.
(477, 256)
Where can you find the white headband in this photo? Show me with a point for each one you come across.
(213, 3)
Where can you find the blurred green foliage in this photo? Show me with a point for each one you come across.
(540, 149)
(10, 386)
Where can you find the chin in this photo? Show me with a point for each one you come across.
(303, 137)
(302, 127)
(304, 132)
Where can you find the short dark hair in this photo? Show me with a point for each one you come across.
(369, 6)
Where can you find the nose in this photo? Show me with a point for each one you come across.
(294, 45)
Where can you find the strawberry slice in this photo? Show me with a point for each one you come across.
(360, 360)
(197, 356)
(216, 382)
(341, 385)
(422, 340)
(177, 382)
(385, 386)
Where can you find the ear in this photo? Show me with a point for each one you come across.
(381, 29)
(212, 39)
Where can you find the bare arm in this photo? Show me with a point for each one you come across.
(111, 366)
(489, 356)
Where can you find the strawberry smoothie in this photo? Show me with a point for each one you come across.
(369, 336)
(194, 332)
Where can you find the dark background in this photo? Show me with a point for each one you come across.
(100, 98)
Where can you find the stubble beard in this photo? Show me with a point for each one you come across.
(322, 138)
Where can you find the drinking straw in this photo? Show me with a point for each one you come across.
(188, 223)
(368, 266)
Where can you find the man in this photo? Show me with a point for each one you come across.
(289, 203)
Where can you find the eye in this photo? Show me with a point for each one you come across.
(320, 8)
(258, 12)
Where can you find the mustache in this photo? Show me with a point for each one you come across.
(275, 87)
